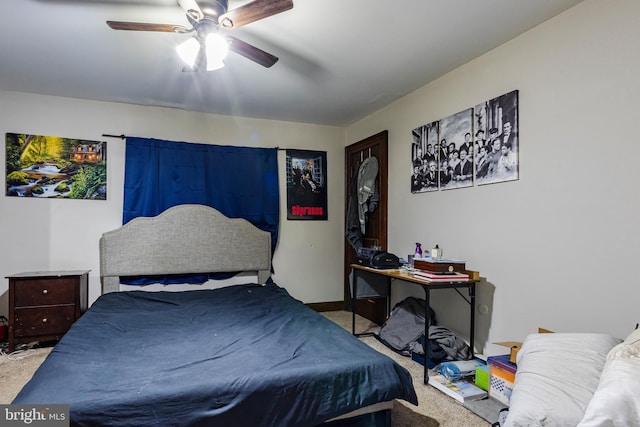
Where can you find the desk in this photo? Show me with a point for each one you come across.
(399, 274)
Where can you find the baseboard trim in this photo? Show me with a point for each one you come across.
(327, 306)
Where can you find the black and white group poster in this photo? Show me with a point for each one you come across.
(306, 185)
(456, 147)
(475, 146)
(424, 155)
(496, 123)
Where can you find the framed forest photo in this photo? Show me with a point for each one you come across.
(55, 167)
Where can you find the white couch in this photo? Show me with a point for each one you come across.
(577, 379)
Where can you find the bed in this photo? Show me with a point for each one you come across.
(243, 355)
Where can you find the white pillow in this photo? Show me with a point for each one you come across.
(556, 378)
(616, 402)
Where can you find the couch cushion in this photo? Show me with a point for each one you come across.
(616, 401)
(556, 378)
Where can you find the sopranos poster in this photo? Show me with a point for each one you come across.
(306, 185)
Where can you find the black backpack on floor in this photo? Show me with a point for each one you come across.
(403, 332)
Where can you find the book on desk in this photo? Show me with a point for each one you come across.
(440, 277)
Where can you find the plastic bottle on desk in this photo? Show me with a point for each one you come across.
(418, 253)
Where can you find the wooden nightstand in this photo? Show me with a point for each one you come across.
(44, 304)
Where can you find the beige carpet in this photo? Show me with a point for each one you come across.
(18, 368)
(435, 409)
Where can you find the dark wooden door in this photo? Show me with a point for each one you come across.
(374, 309)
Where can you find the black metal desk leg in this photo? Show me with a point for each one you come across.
(388, 299)
(427, 320)
(472, 334)
(354, 292)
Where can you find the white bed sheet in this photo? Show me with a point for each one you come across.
(239, 279)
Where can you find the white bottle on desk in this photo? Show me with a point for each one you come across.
(436, 253)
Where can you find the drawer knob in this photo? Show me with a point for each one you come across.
(44, 291)
(44, 320)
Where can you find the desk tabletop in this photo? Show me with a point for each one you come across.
(404, 274)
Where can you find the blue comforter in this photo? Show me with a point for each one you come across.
(246, 355)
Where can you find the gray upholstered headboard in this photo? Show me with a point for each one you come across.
(183, 239)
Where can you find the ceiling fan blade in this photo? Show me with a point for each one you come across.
(141, 26)
(251, 52)
(253, 11)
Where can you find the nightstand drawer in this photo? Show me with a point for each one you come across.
(36, 321)
(46, 292)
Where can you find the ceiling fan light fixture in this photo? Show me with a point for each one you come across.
(188, 51)
(206, 17)
(217, 49)
(213, 65)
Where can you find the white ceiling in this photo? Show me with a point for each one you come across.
(340, 60)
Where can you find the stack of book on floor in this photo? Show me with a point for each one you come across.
(461, 390)
(442, 270)
(455, 378)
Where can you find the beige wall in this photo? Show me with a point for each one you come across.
(40, 234)
(558, 248)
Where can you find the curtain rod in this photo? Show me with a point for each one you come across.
(122, 136)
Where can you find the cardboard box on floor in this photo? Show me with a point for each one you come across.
(516, 345)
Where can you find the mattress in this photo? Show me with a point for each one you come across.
(247, 355)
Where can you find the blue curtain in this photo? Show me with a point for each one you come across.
(240, 182)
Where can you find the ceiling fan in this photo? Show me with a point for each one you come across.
(207, 17)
